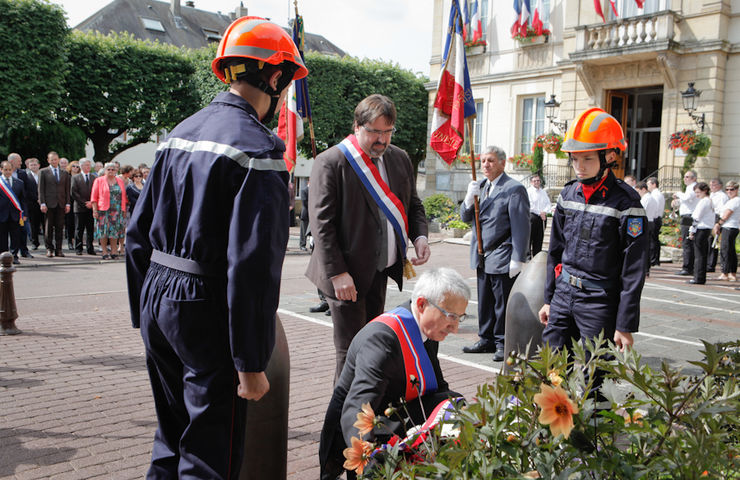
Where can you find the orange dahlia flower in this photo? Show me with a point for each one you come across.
(365, 419)
(557, 409)
(358, 455)
(555, 378)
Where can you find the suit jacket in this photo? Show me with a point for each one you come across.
(51, 193)
(32, 188)
(504, 221)
(8, 212)
(80, 192)
(346, 222)
(373, 373)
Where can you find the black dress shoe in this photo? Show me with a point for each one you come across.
(480, 347)
(79, 252)
(499, 355)
(685, 273)
(26, 255)
(710, 270)
(59, 253)
(16, 261)
(91, 252)
(695, 282)
(321, 307)
(328, 313)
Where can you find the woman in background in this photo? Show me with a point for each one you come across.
(109, 204)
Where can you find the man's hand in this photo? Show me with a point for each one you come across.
(543, 216)
(545, 314)
(66, 209)
(623, 340)
(344, 287)
(252, 385)
(473, 191)
(423, 252)
(88, 204)
(514, 268)
(43, 209)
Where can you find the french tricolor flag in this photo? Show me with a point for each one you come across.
(475, 22)
(524, 18)
(537, 24)
(290, 127)
(454, 101)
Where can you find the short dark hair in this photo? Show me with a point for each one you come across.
(641, 185)
(126, 169)
(654, 181)
(374, 106)
(702, 186)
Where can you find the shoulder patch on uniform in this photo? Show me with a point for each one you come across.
(634, 227)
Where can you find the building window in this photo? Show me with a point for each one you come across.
(478, 128)
(151, 24)
(484, 17)
(212, 35)
(533, 122)
(629, 8)
(544, 14)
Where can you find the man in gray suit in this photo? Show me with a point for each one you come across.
(357, 248)
(80, 193)
(54, 200)
(504, 220)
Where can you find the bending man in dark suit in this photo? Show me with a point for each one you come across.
(80, 192)
(12, 206)
(54, 199)
(359, 243)
(504, 220)
(375, 371)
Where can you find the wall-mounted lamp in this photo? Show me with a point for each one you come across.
(690, 98)
(551, 112)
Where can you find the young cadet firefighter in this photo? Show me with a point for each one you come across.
(204, 252)
(599, 243)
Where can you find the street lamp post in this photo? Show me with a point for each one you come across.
(690, 97)
(551, 112)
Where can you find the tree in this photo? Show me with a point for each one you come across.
(33, 64)
(118, 85)
(38, 141)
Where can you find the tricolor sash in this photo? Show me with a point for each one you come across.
(13, 199)
(416, 360)
(370, 177)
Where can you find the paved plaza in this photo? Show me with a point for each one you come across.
(75, 401)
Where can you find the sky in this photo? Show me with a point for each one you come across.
(399, 31)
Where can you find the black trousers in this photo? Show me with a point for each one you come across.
(302, 238)
(9, 228)
(687, 244)
(727, 251)
(54, 228)
(35, 219)
(349, 317)
(69, 227)
(493, 292)
(536, 234)
(655, 244)
(84, 223)
(701, 249)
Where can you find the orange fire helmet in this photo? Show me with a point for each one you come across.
(594, 129)
(258, 39)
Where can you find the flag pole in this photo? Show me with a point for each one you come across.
(305, 94)
(476, 203)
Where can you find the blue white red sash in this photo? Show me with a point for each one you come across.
(11, 196)
(370, 177)
(416, 360)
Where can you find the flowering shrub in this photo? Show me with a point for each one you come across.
(465, 158)
(690, 142)
(530, 35)
(476, 43)
(540, 420)
(521, 160)
(550, 142)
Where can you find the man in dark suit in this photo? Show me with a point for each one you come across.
(54, 200)
(375, 371)
(504, 220)
(21, 241)
(358, 244)
(80, 193)
(35, 216)
(11, 208)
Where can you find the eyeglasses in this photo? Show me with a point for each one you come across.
(379, 133)
(730, 189)
(453, 317)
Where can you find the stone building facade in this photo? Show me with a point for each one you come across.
(634, 65)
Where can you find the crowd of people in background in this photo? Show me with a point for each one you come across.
(83, 203)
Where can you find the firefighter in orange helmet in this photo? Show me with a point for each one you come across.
(205, 248)
(599, 243)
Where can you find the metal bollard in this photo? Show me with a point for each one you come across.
(266, 443)
(523, 327)
(8, 311)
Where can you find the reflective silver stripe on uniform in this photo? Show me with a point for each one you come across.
(246, 50)
(600, 209)
(597, 121)
(574, 145)
(235, 154)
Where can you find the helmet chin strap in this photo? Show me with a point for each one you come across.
(603, 165)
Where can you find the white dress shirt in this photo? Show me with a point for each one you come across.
(734, 220)
(539, 202)
(688, 200)
(659, 200)
(719, 198)
(703, 215)
(650, 206)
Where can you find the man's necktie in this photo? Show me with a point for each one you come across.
(383, 256)
(87, 180)
(56, 174)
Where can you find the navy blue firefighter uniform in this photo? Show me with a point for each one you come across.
(204, 253)
(596, 262)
